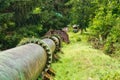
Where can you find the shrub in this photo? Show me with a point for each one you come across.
(113, 40)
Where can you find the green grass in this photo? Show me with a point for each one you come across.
(81, 62)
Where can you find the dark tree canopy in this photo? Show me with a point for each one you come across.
(33, 18)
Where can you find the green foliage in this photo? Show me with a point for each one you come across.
(28, 18)
(81, 12)
(53, 14)
(19, 19)
(13, 14)
(31, 31)
(37, 10)
(105, 25)
(51, 20)
(113, 40)
(12, 38)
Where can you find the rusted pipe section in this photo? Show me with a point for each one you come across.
(26, 62)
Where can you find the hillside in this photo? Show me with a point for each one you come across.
(81, 62)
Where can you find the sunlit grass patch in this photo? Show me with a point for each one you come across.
(81, 62)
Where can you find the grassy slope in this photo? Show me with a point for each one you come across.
(81, 62)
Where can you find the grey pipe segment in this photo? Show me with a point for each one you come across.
(25, 62)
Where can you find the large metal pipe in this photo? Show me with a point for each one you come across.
(25, 62)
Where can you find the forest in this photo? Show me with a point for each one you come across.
(99, 20)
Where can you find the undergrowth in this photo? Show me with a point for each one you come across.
(82, 62)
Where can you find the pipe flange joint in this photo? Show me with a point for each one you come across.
(59, 39)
